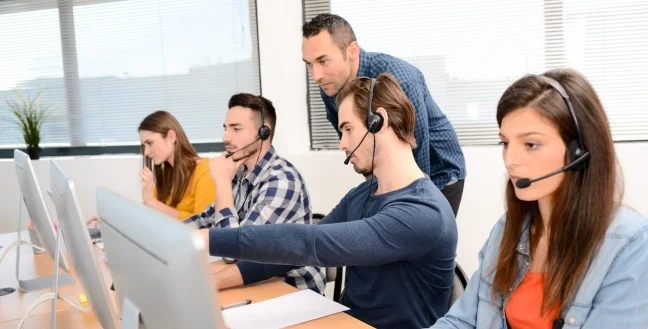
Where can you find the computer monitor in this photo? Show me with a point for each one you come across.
(43, 225)
(159, 267)
(80, 249)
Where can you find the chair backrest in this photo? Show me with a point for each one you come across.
(460, 283)
(331, 274)
(317, 217)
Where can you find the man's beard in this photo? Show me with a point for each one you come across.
(368, 167)
(246, 153)
(365, 170)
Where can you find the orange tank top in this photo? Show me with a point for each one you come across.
(523, 308)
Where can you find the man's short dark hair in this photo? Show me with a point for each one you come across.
(256, 104)
(339, 29)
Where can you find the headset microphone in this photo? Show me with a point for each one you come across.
(526, 182)
(229, 154)
(346, 162)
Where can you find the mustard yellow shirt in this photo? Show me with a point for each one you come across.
(200, 194)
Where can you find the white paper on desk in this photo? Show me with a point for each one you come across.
(283, 311)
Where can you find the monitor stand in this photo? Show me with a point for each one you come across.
(130, 315)
(64, 279)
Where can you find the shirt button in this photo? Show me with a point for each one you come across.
(572, 320)
(526, 264)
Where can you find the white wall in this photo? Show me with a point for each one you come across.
(283, 72)
(283, 82)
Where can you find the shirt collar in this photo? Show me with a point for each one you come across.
(364, 67)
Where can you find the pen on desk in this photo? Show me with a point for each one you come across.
(237, 304)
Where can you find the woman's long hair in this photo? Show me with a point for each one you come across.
(585, 202)
(171, 181)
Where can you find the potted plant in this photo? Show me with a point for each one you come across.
(29, 116)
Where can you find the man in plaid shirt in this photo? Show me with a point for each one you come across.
(255, 186)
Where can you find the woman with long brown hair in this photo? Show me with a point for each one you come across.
(175, 180)
(567, 253)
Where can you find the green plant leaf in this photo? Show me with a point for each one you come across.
(29, 116)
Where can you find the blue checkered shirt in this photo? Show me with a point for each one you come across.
(438, 153)
(273, 193)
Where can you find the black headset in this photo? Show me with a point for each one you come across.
(264, 131)
(578, 154)
(374, 123)
(374, 119)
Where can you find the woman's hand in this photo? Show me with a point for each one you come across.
(148, 186)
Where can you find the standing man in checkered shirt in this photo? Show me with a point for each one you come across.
(334, 58)
(255, 186)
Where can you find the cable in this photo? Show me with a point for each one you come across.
(578, 222)
(46, 297)
(32, 307)
(373, 158)
(16, 244)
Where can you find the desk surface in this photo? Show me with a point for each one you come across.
(14, 306)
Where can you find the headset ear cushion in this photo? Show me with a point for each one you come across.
(576, 153)
(574, 150)
(374, 122)
(264, 132)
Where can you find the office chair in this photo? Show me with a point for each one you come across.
(460, 283)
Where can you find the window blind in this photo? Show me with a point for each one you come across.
(104, 65)
(322, 134)
(471, 50)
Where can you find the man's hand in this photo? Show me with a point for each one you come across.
(228, 277)
(93, 221)
(148, 185)
(204, 233)
(222, 169)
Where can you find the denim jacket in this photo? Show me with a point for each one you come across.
(613, 293)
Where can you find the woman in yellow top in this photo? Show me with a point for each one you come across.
(175, 180)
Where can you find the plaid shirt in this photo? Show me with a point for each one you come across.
(438, 153)
(273, 193)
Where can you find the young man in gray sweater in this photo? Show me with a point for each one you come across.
(395, 232)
